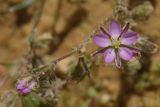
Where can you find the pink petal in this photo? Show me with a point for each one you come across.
(114, 29)
(125, 53)
(129, 38)
(101, 40)
(21, 85)
(25, 91)
(109, 55)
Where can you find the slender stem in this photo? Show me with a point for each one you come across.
(84, 65)
(36, 23)
(63, 57)
(32, 34)
(39, 14)
(54, 62)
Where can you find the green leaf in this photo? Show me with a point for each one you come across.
(32, 100)
(24, 4)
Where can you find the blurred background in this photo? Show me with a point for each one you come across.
(63, 25)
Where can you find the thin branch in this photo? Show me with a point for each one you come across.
(85, 67)
(63, 57)
(33, 33)
(36, 23)
(54, 62)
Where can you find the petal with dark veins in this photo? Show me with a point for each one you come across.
(109, 55)
(101, 40)
(129, 38)
(114, 29)
(125, 53)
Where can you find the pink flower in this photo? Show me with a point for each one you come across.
(117, 44)
(23, 88)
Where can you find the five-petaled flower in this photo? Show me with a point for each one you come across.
(118, 44)
(24, 87)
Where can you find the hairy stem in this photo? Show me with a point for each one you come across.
(33, 33)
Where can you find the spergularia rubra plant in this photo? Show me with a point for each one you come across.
(117, 44)
(24, 87)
